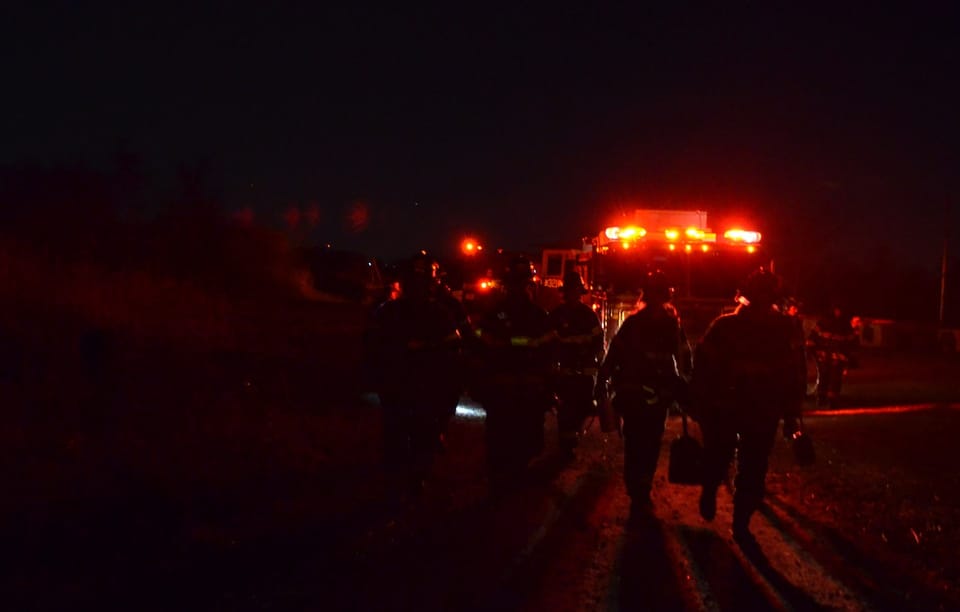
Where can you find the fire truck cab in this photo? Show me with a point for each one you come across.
(705, 266)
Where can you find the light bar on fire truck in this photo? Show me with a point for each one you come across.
(625, 233)
(744, 236)
(690, 238)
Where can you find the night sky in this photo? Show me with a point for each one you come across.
(519, 125)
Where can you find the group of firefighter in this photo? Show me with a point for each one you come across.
(747, 375)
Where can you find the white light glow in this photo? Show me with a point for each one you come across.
(470, 410)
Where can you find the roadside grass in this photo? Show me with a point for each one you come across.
(888, 486)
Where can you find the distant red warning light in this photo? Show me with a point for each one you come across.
(312, 214)
(470, 247)
(358, 217)
(292, 217)
(244, 217)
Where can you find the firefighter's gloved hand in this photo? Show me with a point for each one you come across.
(791, 427)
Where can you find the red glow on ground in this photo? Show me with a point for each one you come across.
(879, 410)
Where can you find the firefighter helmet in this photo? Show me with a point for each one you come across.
(573, 283)
(656, 288)
(761, 287)
(419, 272)
(424, 264)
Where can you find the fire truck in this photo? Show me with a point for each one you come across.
(705, 265)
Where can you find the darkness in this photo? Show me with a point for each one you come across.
(188, 419)
(390, 130)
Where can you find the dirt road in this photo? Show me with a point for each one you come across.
(845, 534)
(279, 507)
(565, 543)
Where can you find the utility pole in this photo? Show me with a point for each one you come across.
(943, 262)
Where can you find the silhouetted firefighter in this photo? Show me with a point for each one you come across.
(749, 372)
(414, 347)
(645, 362)
(833, 341)
(579, 349)
(514, 374)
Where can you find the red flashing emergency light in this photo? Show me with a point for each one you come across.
(690, 237)
(470, 246)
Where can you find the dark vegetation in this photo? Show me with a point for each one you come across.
(822, 254)
(164, 380)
